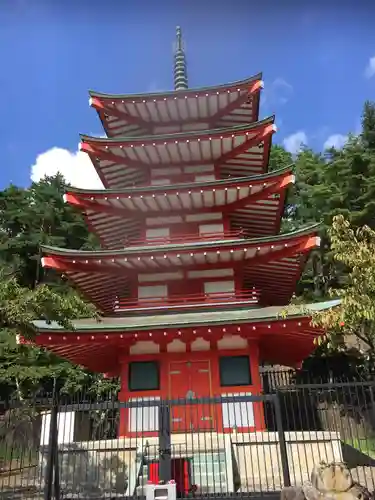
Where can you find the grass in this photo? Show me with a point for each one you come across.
(364, 445)
(15, 458)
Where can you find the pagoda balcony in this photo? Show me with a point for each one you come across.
(188, 302)
(186, 238)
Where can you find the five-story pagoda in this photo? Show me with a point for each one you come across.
(193, 274)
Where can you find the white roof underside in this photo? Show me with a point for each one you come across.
(182, 113)
(126, 168)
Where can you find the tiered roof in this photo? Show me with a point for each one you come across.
(255, 202)
(173, 158)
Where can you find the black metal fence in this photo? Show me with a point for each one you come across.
(79, 447)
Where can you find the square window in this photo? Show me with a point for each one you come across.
(144, 376)
(234, 371)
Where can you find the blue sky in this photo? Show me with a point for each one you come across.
(315, 58)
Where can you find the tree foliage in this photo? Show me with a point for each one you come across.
(353, 321)
(28, 218)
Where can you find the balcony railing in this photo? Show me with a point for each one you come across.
(186, 238)
(192, 301)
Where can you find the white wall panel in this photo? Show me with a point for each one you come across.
(152, 291)
(218, 286)
(144, 419)
(211, 228)
(237, 415)
(157, 232)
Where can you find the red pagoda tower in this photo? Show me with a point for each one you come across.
(194, 279)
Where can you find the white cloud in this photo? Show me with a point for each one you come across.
(76, 168)
(277, 93)
(282, 83)
(294, 142)
(335, 141)
(370, 68)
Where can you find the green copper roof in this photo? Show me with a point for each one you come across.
(182, 246)
(176, 187)
(195, 133)
(195, 319)
(195, 90)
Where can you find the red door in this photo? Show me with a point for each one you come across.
(190, 380)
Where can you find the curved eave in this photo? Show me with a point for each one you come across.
(284, 334)
(103, 276)
(255, 205)
(180, 187)
(172, 93)
(179, 136)
(182, 248)
(193, 109)
(251, 217)
(228, 194)
(236, 152)
(99, 352)
(190, 319)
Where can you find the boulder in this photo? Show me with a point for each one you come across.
(331, 477)
(328, 482)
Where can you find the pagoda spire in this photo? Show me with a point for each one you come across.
(180, 69)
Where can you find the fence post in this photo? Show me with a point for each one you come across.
(282, 442)
(51, 451)
(56, 482)
(164, 442)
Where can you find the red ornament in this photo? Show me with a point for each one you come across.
(342, 323)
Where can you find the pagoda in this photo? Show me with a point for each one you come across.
(193, 280)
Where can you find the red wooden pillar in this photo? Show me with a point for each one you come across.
(122, 397)
(259, 419)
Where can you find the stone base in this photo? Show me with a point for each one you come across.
(259, 461)
(252, 460)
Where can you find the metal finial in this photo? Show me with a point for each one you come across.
(180, 69)
(178, 38)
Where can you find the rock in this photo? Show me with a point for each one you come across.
(310, 492)
(328, 482)
(331, 477)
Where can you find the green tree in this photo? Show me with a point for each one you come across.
(368, 125)
(34, 216)
(352, 322)
(340, 181)
(28, 218)
(25, 367)
(279, 158)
